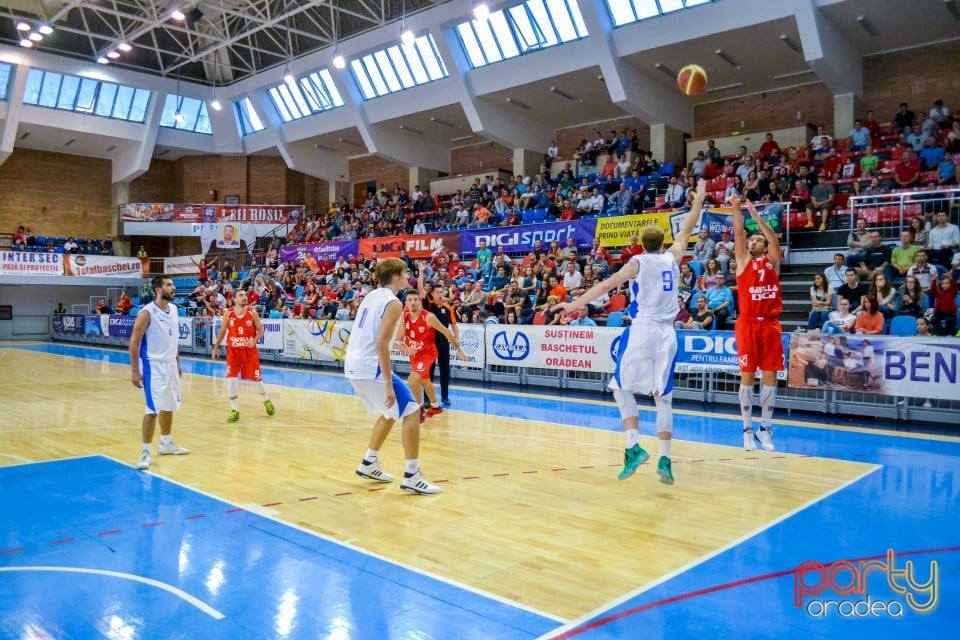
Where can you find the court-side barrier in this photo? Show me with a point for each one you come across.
(907, 379)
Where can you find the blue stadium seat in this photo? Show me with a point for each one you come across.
(696, 268)
(528, 216)
(903, 326)
(615, 319)
(666, 169)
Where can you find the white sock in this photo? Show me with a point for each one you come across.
(371, 455)
(262, 390)
(665, 447)
(146, 447)
(235, 403)
(633, 437)
(412, 466)
(768, 397)
(165, 439)
(746, 406)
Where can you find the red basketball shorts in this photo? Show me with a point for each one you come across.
(759, 344)
(422, 361)
(243, 363)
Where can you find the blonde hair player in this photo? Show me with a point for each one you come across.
(757, 333)
(243, 330)
(648, 345)
(155, 367)
(367, 366)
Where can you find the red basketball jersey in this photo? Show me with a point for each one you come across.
(240, 330)
(418, 333)
(758, 290)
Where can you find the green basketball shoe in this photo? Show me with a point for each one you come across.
(632, 458)
(233, 417)
(664, 470)
(270, 408)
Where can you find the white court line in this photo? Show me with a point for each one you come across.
(183, 595)
(406, 567)
(573, 624)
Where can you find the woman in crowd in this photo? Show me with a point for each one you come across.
(709, 277)
(912, 300)
(921, 237)
(944, 320)
(886, 296)
(841, 320)
(821, 302)
(869, 320)
(734, 189)
(751, 190)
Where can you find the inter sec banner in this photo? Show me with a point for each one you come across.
(102, 266)
(895, 366)
(522, 238)
(30, 263)
(321, 251)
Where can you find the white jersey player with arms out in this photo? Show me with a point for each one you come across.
(648, 345)
(367, 366)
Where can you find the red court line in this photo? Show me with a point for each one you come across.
(500, 475)
(196, 517)
(64, 541)
(599, 622)
(152, 524)
(305, 499)
(4, 552)
(234, 510)
(345, 493)
(271, 504)
(112, 532)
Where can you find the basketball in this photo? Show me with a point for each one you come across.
(692, 79)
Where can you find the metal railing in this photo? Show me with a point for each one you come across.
(889, 213)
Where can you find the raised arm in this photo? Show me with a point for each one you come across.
(682, 239)
(739, 235)
(773, 243)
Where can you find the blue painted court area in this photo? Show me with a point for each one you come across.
(92, 548)
(908, 502)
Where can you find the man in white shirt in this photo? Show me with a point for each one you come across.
(572, 277)
(821, 133)
(944, 240)
(419, 227)
(836, 273)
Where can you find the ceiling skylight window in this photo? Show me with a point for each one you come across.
(185, 114)
(312, 94)
(398, 68)
(84, 95)
(247, 119)
(630, 11)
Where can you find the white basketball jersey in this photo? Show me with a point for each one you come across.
(653, 294)
(161, 338)
(361, 360)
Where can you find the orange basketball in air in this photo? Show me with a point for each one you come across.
(692, 79)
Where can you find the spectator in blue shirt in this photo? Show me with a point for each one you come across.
(720, 301)
(859, 136)
(931, 154)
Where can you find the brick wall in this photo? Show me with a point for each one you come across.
(385, 172)
(316, 194)
(765, 111)
(267, 180)
(569, 139)
(158, 184)
(197, 175)
(487, 156)
(915, 76)
(56, 194)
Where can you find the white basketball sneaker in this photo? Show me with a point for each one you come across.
(172, 449)
(144, 462)
(765, 436)
(373, 471)
(416, 484)
(749, 442)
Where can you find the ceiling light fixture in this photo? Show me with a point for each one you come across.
(178, 15)
(214, 103)
(113, 55)
(481, 11)
(288, 77)
(442, 122)
(177, 116)
(23, 26)
(123, 46)
(26, 42)
(411, 130)
(726, 58)
(517, 103)
(792, 74)
(725, 87)
(338, 60)
(866, 26)
(45, 29)
(406, 36)
(560, 93)
(790, 44)
(36, 37)
(103, 60)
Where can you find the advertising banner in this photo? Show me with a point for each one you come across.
(720, 219)
(120, 326)
(472, 343)
(699, 351)
(67, 324)
(182, 265)
(321, 251)
(521, 239)
(912, 367)
(272, 332)
(554, 347)
(316, 340)
(28, 263)
(615, 231)
(185, 332)
(422, 245)
(102, 266)
(273, 214)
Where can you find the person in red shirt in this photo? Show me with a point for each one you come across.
(419, 342)
(757, 333)
(243, 330)
(944, 320)
(907, 172)
(633, 249)
(769, 149)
